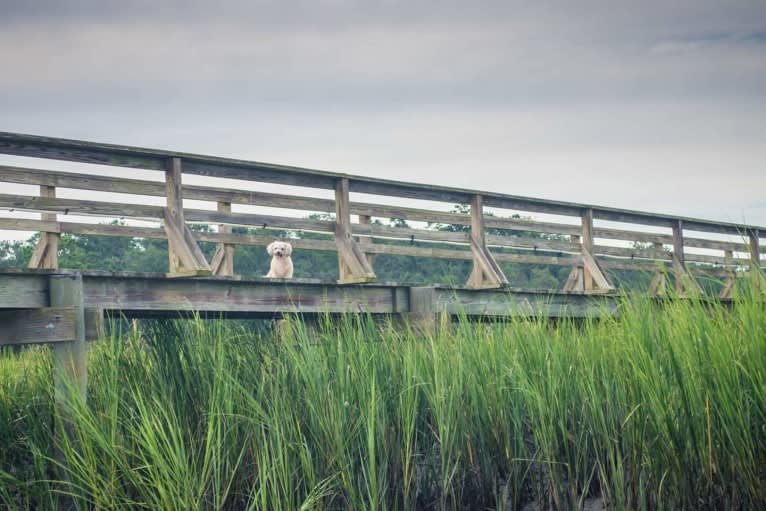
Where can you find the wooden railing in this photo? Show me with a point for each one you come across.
(485, 239)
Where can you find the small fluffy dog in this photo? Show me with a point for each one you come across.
(281, 263)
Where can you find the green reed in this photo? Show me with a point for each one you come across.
(663, 407)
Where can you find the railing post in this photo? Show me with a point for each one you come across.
(353, 267)
(69, 358)
(422, 317)
(755, 249)
(728, 285)
(485, 272)
(45, 254)
(186, 258)
(222, 263)
(658, 285)
(366, 240)
(587, 275)
(587, 244)
(684, 280)
(755, 260)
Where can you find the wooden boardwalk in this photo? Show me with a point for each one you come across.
(45, 304)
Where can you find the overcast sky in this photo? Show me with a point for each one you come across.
(649, 105)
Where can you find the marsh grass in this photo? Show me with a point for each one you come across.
(661, 408)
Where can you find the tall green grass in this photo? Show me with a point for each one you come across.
(661, 408)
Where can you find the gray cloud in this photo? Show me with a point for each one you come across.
(630, 94)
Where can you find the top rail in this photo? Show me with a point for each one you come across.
(155, 159)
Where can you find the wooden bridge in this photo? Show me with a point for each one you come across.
(46, 304)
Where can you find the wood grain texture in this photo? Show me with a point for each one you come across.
(23, 291)
(224, 296)
(70, 359)
(153, 159)
(506, 303)
(37, 326)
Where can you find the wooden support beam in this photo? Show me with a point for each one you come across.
(658, 286)
(755, 260)
(728, 284)
(366, 240)
(45, 254)
(352, 263)
(587, 275)
(186, 258)
(587, 244)
(37, 326)
(685, 282)
(222, 263)
(421, 316)
(575, 280)
(486, 273)
(69, 358)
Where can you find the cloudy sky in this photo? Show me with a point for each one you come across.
(649, 105)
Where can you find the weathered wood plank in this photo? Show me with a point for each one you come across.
(37, 326)
(755, 251)
(69, 359)
(507, 303)
(23, 291)
(223, 260)
(95, 327)
(28, 224)
(89, 152)
(587, 246)
(353, 264)
(486, 272)
(183, 252)
(421, 316)
(141, 294)
(274, 200)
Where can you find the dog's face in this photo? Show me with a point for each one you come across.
(279, 249)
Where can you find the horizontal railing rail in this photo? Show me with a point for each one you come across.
(474, 234)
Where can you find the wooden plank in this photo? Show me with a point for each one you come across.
(502, 303)
(382, 231)
(592, 268)
(80, 207)
(353, 265)
(679, 267)
(79, 151)
(532, 243)
(95, 328)
(755, 251)
(481, 267)
(28, 224)
(486, 272)
(69, 359)
(38, 254)
(366, 240)
(230, 296)
(89, 152)
(685, 282)
(421, 316)
(181, 257)
(224, 256)
(23, 291)
(45, 254)
(587, 245)
(37, 326)
(275, 200)
(183, 252)
(51, 260)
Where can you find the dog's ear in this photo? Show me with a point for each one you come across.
(288, 249)
(270, 248)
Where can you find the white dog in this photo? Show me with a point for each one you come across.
(281, 263)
